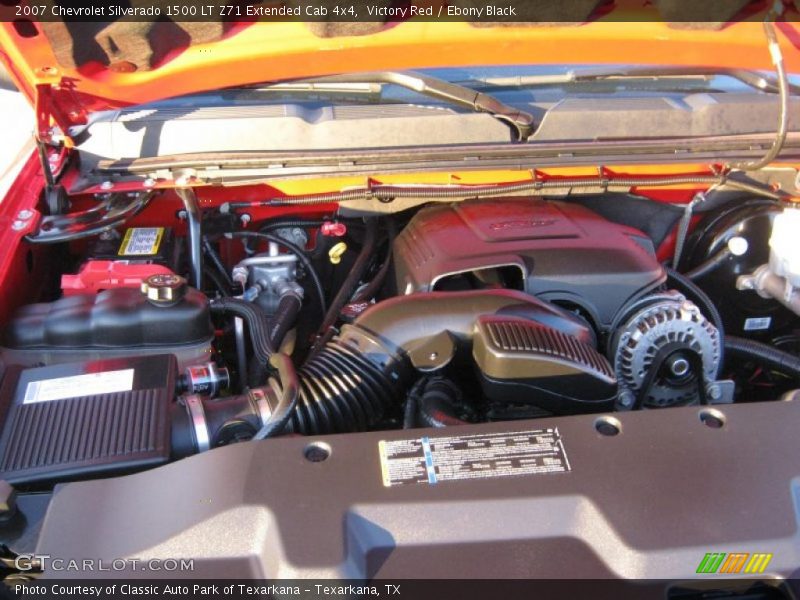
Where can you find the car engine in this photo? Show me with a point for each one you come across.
(159, 338)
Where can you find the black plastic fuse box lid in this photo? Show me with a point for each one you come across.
(79, 420)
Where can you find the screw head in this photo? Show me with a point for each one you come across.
(18, 225)
(149, 182)
(626, 398)
(714, 391)
(106, 185)
(25, 214)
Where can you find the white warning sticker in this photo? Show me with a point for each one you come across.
(435, 459)
(757, 323)
(141, 241)
(90, 384)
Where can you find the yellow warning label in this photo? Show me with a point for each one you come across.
(141, 241)
(384, 464)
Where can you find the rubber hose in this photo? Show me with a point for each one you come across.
(212, 255)
(410, 409)
(215, 279)
(709, 265)
(435, 404)
(289, 223)
(284, 318)
(353, 277)
(288, 398)
(258, 325)
(764, 354)
(374, 286)
(278, 326)
(705, 304)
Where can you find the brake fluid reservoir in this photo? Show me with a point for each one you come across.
(784, 258)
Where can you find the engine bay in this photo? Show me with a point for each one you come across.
(158, 325)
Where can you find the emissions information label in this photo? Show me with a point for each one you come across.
(435, 459)
(757, 323)
(90, 384)
(141, 241)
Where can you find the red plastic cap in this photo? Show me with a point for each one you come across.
(332, 229)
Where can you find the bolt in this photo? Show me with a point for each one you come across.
(182, 215)
(714, 391)
(626, 398)
(149, 182)
(106, 185)
(245, 219)
(18, 225)
(25, 214)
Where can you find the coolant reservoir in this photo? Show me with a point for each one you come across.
(784, 259)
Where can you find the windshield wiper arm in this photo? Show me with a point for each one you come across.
(752, 79)
(520, 121)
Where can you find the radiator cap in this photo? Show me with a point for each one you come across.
(164, 289)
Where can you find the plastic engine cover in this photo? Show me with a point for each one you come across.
(564, 252)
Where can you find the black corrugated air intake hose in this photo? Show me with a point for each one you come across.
(359, 376)
(351, 383)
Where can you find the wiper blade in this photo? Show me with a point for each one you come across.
(520, 121)
(753, 79)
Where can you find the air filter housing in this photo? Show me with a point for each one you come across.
(81, 420)
(525, 363)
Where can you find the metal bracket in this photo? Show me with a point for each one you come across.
(110, 212)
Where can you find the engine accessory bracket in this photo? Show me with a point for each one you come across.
(111, 211)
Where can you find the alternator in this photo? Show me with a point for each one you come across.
(669, 333)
